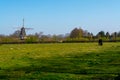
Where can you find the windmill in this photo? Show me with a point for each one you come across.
(22, 33)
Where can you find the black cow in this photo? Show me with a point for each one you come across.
(100, 42)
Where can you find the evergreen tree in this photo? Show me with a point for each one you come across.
(107, 35)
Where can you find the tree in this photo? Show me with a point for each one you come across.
(107, 35)
(85, 33)
(76, 33)
(81, 32)
(31, 38)
(118, 34)
(101, 34)
(16, 34)
(90, 35)
(115, 35)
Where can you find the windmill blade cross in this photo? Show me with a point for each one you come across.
(17, 28)
(29, 28)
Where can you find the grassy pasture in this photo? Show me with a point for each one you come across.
(65, 61)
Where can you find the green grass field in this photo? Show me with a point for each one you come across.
(65, 61)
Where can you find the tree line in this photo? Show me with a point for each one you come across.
(79, 34)
(76, 35)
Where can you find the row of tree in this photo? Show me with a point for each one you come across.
(76, 35)
(79, 33)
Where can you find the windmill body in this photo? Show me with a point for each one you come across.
(22, 34)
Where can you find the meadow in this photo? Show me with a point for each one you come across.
(60, 61)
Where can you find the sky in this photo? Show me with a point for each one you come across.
(59, 16)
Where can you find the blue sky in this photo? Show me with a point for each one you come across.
(60, 16)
